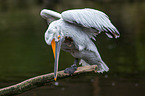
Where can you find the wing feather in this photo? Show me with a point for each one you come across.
(92, 19)
(50, 15)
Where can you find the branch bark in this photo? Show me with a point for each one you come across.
(42, 80)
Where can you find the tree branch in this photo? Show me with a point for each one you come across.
(41, 80)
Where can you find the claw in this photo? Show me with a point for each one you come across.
(71, 69)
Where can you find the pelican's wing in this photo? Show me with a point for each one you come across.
(50, 15)
(92, 19)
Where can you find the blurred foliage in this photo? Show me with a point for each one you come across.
(24, 53)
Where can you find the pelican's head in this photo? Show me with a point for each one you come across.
(53, 33)
(54, 37)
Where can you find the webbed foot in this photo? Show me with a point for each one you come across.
(71, 69)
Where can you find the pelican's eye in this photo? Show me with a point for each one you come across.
(58, 37)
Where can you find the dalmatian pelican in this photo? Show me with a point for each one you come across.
(73, 32)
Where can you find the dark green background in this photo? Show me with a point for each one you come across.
(24, 53)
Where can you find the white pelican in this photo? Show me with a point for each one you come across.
(72, 31)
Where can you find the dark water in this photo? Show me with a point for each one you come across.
(24, 53)
(87, 85)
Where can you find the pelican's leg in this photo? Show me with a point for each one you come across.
(73, 68)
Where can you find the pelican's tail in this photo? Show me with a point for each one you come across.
(102, 67)
(83, 63)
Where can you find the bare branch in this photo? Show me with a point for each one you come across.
(41, 80)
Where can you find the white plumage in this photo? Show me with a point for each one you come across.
(76, 28)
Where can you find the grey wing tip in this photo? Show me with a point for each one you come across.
(113, 34)
(117, 34)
